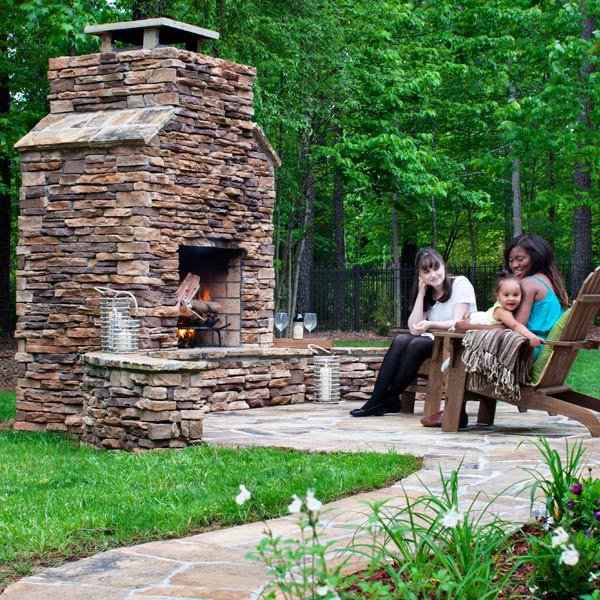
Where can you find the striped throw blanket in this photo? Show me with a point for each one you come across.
(500, 358)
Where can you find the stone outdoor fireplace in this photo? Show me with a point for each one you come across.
(147, 167)
(149, 176)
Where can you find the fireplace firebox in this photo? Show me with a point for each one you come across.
(210, 296)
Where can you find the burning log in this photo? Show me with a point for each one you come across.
(204, 307)
(195, 307)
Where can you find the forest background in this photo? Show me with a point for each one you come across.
(399, 124)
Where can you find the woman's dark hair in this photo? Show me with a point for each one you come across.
(542, 261)
(429, 258)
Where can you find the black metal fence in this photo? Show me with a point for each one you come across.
(366, 299)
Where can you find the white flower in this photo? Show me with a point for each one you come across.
(452, 518)
(325, 590)
(296, 505)
(560, 537)
(243, 495)
(311, 502)
(569, 556)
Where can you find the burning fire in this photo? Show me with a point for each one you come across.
(204, 295)
(185, 334)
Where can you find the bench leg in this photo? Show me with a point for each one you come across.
(457, 379)
(407, 402)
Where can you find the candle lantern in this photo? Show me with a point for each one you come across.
(327, 378)
(119, 327)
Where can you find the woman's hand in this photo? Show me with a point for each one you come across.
(421, 327)
(422, 287)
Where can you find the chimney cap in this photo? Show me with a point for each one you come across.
(150, 33)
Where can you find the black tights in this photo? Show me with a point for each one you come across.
(399, 367)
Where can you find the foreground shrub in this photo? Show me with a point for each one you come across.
(434, 548)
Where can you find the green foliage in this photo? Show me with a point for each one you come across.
(440, 550)
(563, 570)
(562, 475)
(417, 107)
(7, 406)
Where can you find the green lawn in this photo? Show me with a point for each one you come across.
(584, 374)
(7, 406)
(62, 500)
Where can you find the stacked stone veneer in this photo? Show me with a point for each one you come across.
(159, 401)
(144, 151)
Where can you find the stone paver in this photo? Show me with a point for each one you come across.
(214, 566)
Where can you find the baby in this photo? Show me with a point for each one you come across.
(508, 297)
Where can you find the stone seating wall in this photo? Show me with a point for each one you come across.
(158, 400)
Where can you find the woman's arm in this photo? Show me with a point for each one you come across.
(463, 325)
(458, 310)
(418, 312)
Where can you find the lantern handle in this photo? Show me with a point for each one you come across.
(314, 348)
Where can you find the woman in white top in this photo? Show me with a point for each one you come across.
(439, 300)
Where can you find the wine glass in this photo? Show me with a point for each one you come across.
(310, 321)
(281, 321)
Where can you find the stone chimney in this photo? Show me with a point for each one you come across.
(146, 151)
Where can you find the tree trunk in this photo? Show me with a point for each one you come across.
(396, 265)
(582, 214)
(516, 178)
(5, 214)
(582, 231)
(434, 225)
(306, 250)
(340, 251)
(516, 192)
(551, 175)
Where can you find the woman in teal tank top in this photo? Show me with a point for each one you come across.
(531, 259)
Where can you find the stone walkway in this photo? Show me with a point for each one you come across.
(213, 566)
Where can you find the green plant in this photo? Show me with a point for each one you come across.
(583, 506)
(562, 476)
(428, 548)
(566, 564)
(299, 567)
(7, 405)
(440, 551)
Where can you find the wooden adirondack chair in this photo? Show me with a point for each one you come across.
(549, 393)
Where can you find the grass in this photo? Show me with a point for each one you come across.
(584, 374)
(7, 405)
(63, 501)
(361, 343)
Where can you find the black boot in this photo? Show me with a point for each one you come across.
(370, 408)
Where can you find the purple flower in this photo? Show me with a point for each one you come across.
(570, 503)
(588, 532)
(577, 489)
(597, 516)
(598, 503)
